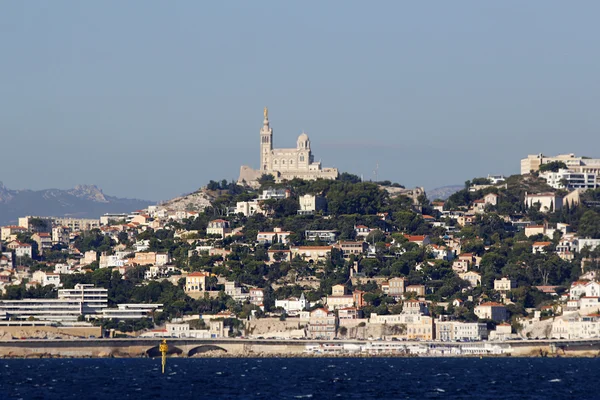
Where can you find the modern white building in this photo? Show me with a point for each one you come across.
(131, 311)
(93, 299)
(56, 310)
(566, 179)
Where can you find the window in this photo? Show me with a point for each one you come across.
(302, 157)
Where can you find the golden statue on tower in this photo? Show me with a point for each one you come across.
(266, 112)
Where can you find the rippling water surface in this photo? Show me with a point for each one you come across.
(316, 378)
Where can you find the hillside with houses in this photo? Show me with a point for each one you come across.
(504, 257)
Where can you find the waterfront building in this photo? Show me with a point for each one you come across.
(322, 324)
(461, 331)
(131, 311)
(421, 329)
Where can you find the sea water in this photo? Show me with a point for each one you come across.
(301, 378)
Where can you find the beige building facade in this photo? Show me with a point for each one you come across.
(573, 163)
(285, 164)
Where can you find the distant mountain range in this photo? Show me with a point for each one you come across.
(83, 201)
(444, 192)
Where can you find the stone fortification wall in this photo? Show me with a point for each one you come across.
(48, 332)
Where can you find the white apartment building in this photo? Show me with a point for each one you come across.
(93, 299)
(131, 311)
(566, 179)
(57, 310)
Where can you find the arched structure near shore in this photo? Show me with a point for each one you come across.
(205, 348)
(155, 351)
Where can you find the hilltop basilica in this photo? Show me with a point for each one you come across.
(285, 164)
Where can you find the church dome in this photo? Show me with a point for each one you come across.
(303, 137)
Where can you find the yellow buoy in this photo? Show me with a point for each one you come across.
(164, 347)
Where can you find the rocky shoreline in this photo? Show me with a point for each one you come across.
(296, 355)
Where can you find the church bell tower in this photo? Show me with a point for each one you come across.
(266, 143)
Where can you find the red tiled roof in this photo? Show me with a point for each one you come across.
(491, 304)
(199, 274)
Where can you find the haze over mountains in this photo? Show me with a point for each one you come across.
(83, 201)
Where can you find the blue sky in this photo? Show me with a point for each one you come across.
(152, 99)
